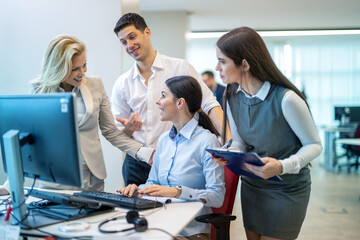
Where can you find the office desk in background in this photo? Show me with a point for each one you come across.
(330, 136)
(172, 217)
(348, 141)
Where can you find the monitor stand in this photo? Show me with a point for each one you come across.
(15, 174)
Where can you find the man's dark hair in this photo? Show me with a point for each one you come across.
(130, 19)
(209, 73)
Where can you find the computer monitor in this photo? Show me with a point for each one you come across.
(339, 112)
(354, 114)
(349, 114)
(39, 138)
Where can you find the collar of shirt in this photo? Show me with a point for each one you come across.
(157, 64)
(75, 90)
(261, 94)
(186, 131)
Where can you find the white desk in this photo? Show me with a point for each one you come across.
(348, 141)
(330, 158)
(173, 218)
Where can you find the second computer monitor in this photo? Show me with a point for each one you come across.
(350, 113)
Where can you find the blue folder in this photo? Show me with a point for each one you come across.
(237, 159)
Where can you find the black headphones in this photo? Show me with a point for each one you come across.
(140, 223)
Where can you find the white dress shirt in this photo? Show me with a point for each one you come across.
(299, 119)
(130, 95)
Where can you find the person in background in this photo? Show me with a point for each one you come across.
(218, 90)
(269, 116)
(63, 70)
(135, 92)
(182, 168)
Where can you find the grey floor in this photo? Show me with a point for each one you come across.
(334, 209)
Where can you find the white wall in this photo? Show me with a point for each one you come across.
(215, 15)
(168, 31)
(26, 27)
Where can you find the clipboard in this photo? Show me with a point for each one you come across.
(237, 159)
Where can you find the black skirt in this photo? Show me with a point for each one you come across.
(276, 209)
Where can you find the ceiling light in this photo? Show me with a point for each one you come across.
(286, 33)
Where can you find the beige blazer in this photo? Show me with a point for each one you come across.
(98, 114)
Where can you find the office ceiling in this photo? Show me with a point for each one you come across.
(216, 15)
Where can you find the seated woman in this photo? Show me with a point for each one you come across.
(181, 166)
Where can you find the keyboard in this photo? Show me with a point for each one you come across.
(120, 200)
(70, 200)
(62, 206)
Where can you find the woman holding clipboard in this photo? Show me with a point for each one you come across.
(269, 116)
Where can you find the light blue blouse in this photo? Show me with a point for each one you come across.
(181, 159)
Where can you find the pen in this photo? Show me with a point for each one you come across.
(227, 144)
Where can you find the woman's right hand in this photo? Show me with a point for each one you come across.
(219, 161)
(129, 191)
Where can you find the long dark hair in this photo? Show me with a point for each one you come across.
(188, 88)
(245, 43)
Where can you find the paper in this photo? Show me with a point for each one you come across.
(237, 159)
(9, 232)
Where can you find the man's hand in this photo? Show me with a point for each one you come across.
(151, 158)
(3, 191)
(132, 124)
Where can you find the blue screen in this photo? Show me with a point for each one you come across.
(50, 119)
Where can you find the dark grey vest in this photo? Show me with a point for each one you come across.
(262, 125)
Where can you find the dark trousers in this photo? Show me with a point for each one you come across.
(133, 171)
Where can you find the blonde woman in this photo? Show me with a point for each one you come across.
(63, 70)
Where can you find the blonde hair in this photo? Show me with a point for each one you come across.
(57, 63)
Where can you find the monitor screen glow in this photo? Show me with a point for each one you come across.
(50, 119)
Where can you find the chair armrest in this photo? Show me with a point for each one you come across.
(214, 218)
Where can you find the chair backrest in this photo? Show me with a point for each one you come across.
(357, 135)
(231, 184)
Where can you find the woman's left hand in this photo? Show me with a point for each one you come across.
(271, 168)
(161, 191)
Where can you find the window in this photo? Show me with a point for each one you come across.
(326, 68)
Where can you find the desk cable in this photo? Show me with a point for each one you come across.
(140, 223)
(22, 203)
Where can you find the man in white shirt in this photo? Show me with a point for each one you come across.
(135, 92)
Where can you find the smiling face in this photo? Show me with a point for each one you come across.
(78, 70)
(136, 43)
(168, 105)
(229, 72)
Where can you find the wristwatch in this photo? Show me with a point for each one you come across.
(179, 190)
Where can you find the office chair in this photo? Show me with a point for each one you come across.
(353, 151)
(221, 217)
